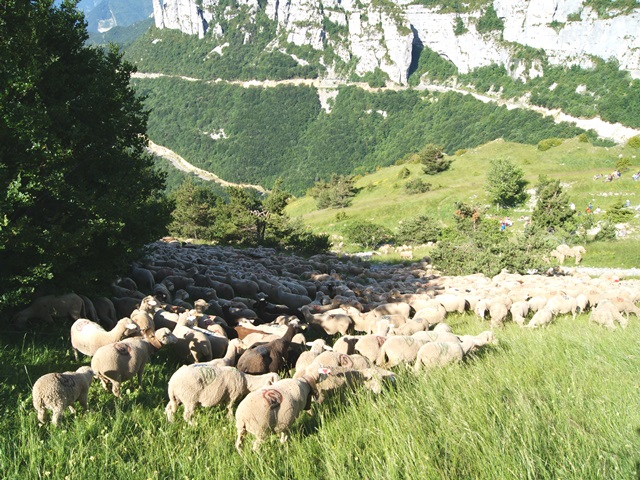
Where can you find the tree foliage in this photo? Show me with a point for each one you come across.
(336, 193)
(240, 217)
(367, 234)
(506, 184)
(475, 244)
(433, 159)
(553, 213)
(78, 194)
(418, 230)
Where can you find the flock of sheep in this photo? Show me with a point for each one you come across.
(256, 310)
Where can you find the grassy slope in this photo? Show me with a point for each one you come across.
(382, 198)
(555, 403)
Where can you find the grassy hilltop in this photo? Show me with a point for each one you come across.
(382, 198)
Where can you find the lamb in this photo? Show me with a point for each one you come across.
(45, 308)
(331, 323)
(338, 379)
(121, 361)
(208, 385)
(106, 312)
(274, 408)
(438, 354)
(57, 391)
(88, 336)
(561, 304)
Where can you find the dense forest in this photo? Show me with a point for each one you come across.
(267, 133)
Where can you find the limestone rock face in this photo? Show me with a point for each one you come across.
(376, 35)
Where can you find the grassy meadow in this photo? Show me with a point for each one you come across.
(561, 402)
(382, 198)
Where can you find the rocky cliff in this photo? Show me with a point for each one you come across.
(386, 34)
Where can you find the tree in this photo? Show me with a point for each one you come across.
(433, 159)
(196, 212)
(336, 193)
(506, 184)
(79, 195)
(553, 213)
(366, 234)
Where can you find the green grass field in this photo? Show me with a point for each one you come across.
(383, 200)
(561, 402)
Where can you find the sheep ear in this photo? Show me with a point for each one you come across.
(131, 326)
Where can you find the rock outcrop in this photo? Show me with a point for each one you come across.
(383, 35)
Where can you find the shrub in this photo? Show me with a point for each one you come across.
(433, 159)
(418, 230)
(553, 213)
(623, 164)
(618, 213)
(489, 21)
(366, 234)
(404, 173)
(634, 142)
(416, 185)
(583, 138)
(459, 28)
(607, 232)
(547, 143)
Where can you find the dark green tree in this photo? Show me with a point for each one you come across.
(196, 212)
(336, 193)
(459, 28)
(489, 20)
(506, 184)
(433, 159)
(553, 213)
(79, 195)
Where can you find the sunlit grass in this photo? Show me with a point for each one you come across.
(561, 402)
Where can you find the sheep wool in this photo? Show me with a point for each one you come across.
(57, 391)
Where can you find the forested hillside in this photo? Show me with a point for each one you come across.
(266, 133)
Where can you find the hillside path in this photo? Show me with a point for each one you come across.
(613, 131)
(181, 164)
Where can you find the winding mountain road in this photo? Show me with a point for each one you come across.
(613, 131)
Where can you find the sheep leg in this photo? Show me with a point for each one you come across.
(116, 389)
(72, 410)
(283, 437)
(75, 354)
(241, 433)
(42, 415)
(171, 409)
(83, 400)
(188, 413)
(57, 414)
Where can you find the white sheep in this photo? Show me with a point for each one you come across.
(519, 311)
(207, 385)
(306, 358)
(399, 349)
(45, 308)
(540, 318)
(438, 354)
(121, 361)
(334, 359)
(606, 314)
(191, 345)
(57, 391)
(88, 336)
(275, 408)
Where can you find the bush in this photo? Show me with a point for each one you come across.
(547, 143)
(489, 21)
(416, 185)
(553, 213)
(404, 173)
(607, 232)
(583, 138)
(366, 234)
(618, 213)
(634, 142)
(623, 164)
(433, 159)
(418, 230)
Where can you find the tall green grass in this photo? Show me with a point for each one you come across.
(561, 402)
